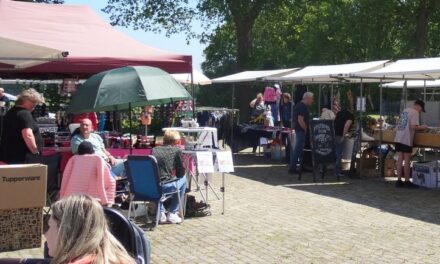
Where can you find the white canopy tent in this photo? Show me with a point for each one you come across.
(408, 69)
(252, 76)
(413, 84)
(330, 73)
(18, 55)
(198, 77)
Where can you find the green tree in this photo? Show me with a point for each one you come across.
(328, 32)
(178, 16)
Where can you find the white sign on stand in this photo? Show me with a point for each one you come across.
(205, 163)
(224, 161)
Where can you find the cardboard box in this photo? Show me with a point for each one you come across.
(425, 174)
(368, 167)
(23, 189)
(367, 163)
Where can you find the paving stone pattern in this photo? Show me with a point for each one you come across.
(271, 217)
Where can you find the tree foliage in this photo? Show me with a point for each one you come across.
(303, 33)
(261, 34)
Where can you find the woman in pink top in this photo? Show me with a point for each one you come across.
(87, 173)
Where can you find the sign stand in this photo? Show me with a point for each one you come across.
(322, 142)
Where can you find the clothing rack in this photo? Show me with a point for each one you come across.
(233, 112)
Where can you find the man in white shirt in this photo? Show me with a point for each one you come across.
(409, 122)
(86, 134)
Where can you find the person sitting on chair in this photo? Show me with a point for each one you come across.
(79, 234)
(87, 173)
(169, 160)
(86, 134)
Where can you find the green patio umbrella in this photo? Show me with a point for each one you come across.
(127, 87)
(123, 88)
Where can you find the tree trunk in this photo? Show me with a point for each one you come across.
(243, 93)
(244, 13)
(424, 13)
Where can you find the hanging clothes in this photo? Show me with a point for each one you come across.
(326, 98)
(271, 98)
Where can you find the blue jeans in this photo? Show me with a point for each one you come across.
(339, 143)
(171, 187)
(297, 156)
(118, 169)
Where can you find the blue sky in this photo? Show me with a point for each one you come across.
(175, 43)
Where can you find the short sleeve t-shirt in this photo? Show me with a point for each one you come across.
(300, 109)
(12, 146)
(94, 139)
(169, 160)
(341, 118)
(404, 132)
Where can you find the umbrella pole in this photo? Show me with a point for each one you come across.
(193, 97)
(131, 127)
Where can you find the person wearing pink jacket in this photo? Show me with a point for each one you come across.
(87, 173)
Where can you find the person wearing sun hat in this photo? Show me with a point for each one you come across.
(409, 123)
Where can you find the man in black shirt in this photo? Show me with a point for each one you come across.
(300, 125)
(20, 134)
(343, 121)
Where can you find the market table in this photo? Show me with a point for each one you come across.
(421, 139)
(249, 136)
(206, 136)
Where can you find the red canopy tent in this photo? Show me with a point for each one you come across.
(93, 44)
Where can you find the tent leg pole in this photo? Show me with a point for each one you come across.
(319, 97)
(131, 127)
(381, 167)
(331, 97)
(232, 115)
(424, 91)
(193, 94)
(360, 128)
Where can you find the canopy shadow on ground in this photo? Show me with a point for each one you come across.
(421, 204)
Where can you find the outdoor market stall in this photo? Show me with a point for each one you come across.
(241, 138)
(426, 69)
(332, 74)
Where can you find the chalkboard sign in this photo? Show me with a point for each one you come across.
(322, 137)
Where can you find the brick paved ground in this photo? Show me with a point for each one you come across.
(272, 218)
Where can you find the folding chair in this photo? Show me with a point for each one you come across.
(145, 185)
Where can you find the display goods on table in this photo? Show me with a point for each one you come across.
(428, 139)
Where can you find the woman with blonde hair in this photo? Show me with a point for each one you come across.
(170, 163)
(78, 234)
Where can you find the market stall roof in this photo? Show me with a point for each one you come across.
(330, 73)
(408, 69)
(93, 44)
(198, 78)
(19, 55)
(251, 76)
(413, 84)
